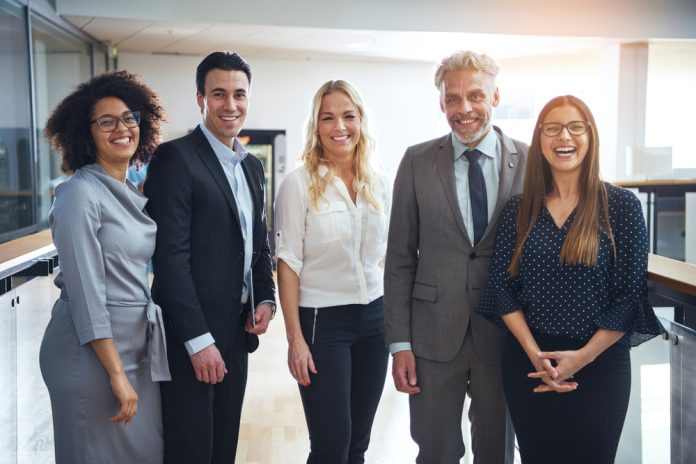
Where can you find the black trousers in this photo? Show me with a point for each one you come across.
(201, 421)
(582, 426)
(349, 352)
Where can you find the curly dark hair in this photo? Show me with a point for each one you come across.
(68, 128)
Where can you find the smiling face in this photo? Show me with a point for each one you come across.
(339, 126)
(564, 152)
(115, 147)
(225, 103)
(467, 97)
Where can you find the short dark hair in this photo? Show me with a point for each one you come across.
(227, 61)
(68, 128)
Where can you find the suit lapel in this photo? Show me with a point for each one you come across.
(509, 166)
(259, 205)
(445, 166)
(210, 160)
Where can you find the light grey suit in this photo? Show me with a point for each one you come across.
(434, 278)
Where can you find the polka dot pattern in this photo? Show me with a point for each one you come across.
(574, 300)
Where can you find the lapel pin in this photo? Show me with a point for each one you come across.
(511, 164)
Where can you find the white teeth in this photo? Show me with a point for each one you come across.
(122, 140)
(565, 151)
(340, 138)
(229, 118)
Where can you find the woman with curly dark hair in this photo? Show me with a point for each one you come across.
(103, 351)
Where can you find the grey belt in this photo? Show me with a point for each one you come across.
(156, 344)
(156, 340)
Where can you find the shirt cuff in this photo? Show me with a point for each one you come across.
(399, 346)
(195, 345)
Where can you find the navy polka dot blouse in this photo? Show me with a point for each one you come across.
(574, 300)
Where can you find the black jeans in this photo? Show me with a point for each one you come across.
(350, 355)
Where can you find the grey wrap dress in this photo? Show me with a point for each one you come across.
(104, 241)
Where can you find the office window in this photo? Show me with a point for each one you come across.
(61, 61)
(16, 212)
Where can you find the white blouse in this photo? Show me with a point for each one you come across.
(338, 250)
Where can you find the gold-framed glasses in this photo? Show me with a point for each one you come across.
(552, 129)
(130, 119)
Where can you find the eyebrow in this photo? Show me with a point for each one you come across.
(113, 115)
(220, 89)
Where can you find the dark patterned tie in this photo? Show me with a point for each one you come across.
(477, 194)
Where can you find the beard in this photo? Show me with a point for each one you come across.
(474, 135)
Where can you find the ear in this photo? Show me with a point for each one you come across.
(442, 103)
(496, 97)
(200, 99)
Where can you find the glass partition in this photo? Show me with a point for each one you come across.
(61, 61)
(16, 209)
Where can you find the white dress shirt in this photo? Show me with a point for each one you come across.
(336, 250)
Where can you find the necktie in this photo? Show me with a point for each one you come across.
(477, 194)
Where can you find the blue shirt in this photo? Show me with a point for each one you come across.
(489, 146)
(574, 301)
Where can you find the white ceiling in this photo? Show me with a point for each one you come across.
(279, 42)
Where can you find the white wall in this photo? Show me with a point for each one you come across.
(401, 100)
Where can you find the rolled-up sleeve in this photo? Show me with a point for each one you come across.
(630, 310)
(290, 216)
(75, 221)
(502, 293)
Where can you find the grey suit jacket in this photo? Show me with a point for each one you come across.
(434, 277)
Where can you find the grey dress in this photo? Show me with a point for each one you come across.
(104, 241)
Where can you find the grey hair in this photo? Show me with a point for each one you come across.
(464, 60)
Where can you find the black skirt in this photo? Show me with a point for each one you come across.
(582, 426)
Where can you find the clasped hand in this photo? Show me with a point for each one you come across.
(556, 378)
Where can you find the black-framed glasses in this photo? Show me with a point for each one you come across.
(552, 129)
(130, 119)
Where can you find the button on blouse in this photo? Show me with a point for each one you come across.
(337, 249)
(575, 301)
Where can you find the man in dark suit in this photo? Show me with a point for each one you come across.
(448, 194)
(211, 264)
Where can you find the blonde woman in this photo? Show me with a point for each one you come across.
(569, 281)
(331, 231)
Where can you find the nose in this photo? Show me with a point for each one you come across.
(340, 123)
(466, 105)
(564, 134)
(120, 121)
(230, 103)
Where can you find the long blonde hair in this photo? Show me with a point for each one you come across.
(313, 153)
(581, 245)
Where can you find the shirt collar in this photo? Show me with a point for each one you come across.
(488, 145)
(224, 153)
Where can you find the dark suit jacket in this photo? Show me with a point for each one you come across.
(434, 277)
(199, 256)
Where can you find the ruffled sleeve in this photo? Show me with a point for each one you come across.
(629, 310)
(502, 293)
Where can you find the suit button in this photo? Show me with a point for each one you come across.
(472, 255)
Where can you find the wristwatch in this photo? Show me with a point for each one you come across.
(272, 306)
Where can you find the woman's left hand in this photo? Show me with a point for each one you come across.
(568, 363)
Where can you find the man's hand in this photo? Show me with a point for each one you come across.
(404, 372)
(209, 365)
(262, 315)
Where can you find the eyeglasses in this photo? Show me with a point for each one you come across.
(130, 119)
(552, 129)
